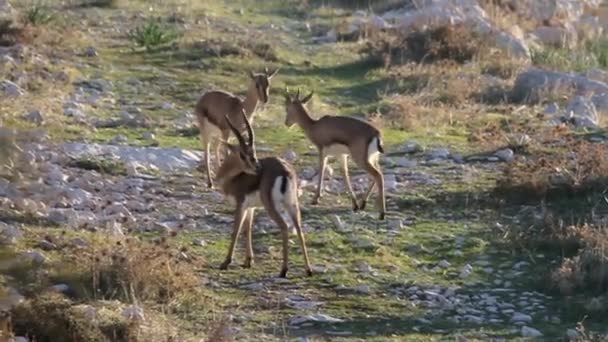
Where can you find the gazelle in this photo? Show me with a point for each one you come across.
(341, 136)
(214, 105)
(251, 183)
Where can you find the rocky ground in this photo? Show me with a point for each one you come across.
(102, 148)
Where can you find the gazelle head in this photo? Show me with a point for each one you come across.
(262, 83)
(294, 106)
(241, 157)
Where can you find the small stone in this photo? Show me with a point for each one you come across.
(411, 147)
(35, 257)
(363, 289)
(60, 288)
(551, 109)
(79, 242)
(530, 332)
(9, 234)
(506, 154)
(572, 334)
(148, 136)
(404, 162)
(35, 117)
(439, 153)
(46, 245)
(521, 317)
(444, 264)
(167, 106)
(133, 313)
(199, 242)
(90, 52)
(395, 224)
(10, 89)
(290, 156)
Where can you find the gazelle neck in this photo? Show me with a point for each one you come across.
(304, 119)
(251, 100)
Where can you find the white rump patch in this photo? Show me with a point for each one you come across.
(372, 151)
(281, 201)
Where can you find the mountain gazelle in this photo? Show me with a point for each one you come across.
(215, 104)
(341, 136)
(251, 183)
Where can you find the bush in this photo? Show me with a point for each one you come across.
(456, 43)
(131, 270)
(11, 33)
(581, 170)
(152, 34)
(38, 15)
(588, 269)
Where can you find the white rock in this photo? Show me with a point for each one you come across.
(395, 224)
(9, 234)
(363, 289)
(290, 156)
(164, 159)
(148, 136)
(133, 313)
(439, 153)
(582, 111)
(320, 318)
(35, 117)
(506, 154)
(10, 89)
(572, 334)
(444, 264)
(552, 108)
(521, 317)
(405, 162)
(530, 332)
(35, 257)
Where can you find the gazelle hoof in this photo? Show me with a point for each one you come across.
(224, 265)
(248, 263)
(356, 206)
(309, 273)
(362, 205)
(315, 201)
(209, 185)
(381, 216)
(283, 273)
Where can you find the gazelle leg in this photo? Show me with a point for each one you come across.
(273, 213)
(248, 234)
(367, 194)
(294, 212)
(208, 161)
(239, 217)
(322, 164)
(349, 186)
(373, 169)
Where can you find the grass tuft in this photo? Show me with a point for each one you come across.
(153, 34)
(38, 15)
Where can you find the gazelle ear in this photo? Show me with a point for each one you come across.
(307, 98)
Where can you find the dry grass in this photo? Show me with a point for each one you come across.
(579, 170)
(588, 269)
(131, 270)
(456, 43)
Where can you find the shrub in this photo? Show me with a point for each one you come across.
(38, 15)
(581, 170)
(588, 269)
(132, 270)
(456, 43)
(152, 34)
(11, 33)
(111, 167)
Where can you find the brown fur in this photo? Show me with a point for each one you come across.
(353, 133)
(242, 174)
(214, 105)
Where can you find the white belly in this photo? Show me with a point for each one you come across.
(336, 150)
